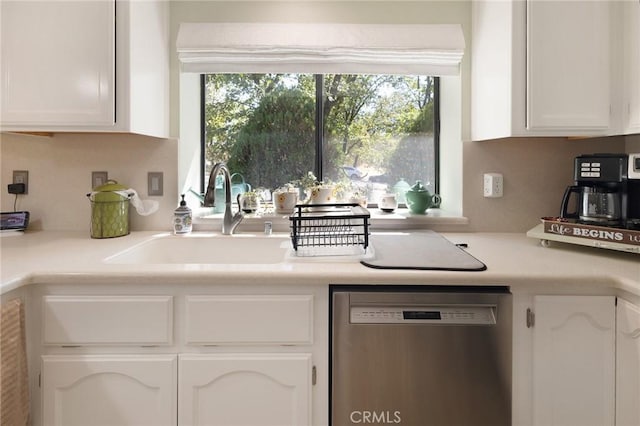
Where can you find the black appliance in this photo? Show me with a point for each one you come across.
(633, 192)
(603, 193)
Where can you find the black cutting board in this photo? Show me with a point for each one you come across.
(426, 250)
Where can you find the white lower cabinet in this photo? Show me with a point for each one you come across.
(627, 364)
(564, 361)
(245, 389)
(574, 360)
(123, 390)
(236, 359)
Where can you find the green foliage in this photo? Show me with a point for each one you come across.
(263, 125)
(413, 159)
(276, 143)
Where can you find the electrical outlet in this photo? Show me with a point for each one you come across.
(99, 179)
(22, 176)
(155, 183)
(493, 185)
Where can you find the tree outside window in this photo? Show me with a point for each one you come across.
(376, 129)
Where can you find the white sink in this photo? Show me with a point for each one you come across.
(206, 249)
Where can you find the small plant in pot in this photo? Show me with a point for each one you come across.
(322, 193)
(358, 195)
(285, 198)
(304, 185)
(249, 202)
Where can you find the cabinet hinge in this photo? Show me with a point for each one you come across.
(314, 376)
(531, 318)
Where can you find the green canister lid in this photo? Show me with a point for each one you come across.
(108, 192)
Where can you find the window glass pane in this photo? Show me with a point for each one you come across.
(378, 130)
(262, 125)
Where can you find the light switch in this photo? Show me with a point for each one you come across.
(155, 184)
(98, 179)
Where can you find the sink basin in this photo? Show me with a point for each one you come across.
(206, 249)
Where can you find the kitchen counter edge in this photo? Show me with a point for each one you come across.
(512, 259)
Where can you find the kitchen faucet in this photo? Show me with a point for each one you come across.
(230, 222)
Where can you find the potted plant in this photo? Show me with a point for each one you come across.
(250, 201)
(285, 198)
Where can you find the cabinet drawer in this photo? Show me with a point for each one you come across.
(95, 320)
(268, 320)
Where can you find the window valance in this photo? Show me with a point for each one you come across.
(320, 48)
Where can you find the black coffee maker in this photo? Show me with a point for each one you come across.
(633, 192)
(601, 194)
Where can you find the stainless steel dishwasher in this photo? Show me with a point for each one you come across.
(421, 356)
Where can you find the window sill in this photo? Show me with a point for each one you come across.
(400, 219)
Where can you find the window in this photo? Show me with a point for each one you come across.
(369, 131)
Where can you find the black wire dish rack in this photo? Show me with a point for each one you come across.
(329, 229)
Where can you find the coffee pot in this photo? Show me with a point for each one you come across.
(598, 204)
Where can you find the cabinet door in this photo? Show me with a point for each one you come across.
(109, 390)
(627, 364)
(244, 389)
(568, 65)
(632, 66)
(58, 63)
(574, 360)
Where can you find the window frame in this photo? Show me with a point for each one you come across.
(319, 133)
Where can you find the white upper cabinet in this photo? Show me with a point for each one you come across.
(631, 96)
(58, 63)
(541, 68)
(99, 66)
(568, 65)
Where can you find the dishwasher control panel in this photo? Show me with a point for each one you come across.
(466, 314)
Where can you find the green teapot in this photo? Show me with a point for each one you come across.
(419, 199)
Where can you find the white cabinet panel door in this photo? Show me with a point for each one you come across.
(249, 319)
(58, 63)
(568, 65)
(574, 360)
(104, 320)
(245, 390)
(627, 364)
(134, 390)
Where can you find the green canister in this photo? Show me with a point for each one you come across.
(109, 210)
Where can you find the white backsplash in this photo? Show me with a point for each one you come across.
(60, 175)
(535, 170)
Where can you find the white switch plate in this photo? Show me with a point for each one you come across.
(99, 179)
(155, 183)
(493, 185)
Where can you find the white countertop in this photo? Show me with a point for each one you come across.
(42, 257)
